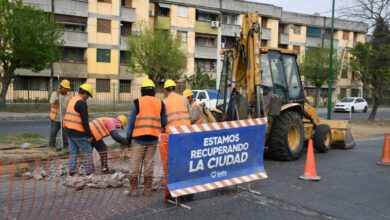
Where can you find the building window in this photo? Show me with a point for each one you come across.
(124, 57)
(264, 43)
(182, 36)
(163, 10)
(283, 46)
(297, 49)
(202, 16)
(31, 83)
(102, 85)
(126, 28)
(105, 1)
(124, 86)
(264, 22)
(297, 29)
(345, 35)
(127, 3)
(205, 65)
(182, 11)
(206, 41)
(344, 74)
(229, 19)
(313, 32)
(343, 93)
(71, 23)
(103, 55)
(103, 26)
(73, 55)
(354, 92)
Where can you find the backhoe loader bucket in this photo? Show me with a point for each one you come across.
(341, 134)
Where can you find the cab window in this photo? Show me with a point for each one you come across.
(292, 76)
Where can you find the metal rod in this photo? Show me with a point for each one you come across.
(177, 203)
(249, 190)
(60, 107)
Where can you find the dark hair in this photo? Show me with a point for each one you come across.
(148, 91)
(170, 89)
(82, 91)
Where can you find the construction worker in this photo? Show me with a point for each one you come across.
(147, 120)
(104, 127)
(178, 114)
(58, 98)
(196, 111)
(77, 130)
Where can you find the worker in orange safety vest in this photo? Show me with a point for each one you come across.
(58, 98)
(177, 114)
(147, 120)
(77, 130)
(104, 127)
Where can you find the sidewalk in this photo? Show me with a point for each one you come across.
(45, 115)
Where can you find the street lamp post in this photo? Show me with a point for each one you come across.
(330, 69)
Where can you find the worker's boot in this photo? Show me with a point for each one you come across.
(134, 186)
(148, 186)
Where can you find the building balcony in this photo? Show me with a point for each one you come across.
(43, 4)
(230, 30)
(317, 42)
(205, 52)
(124, 73)
(63, 69)
(128, 14)
(284, 38)
(204, 27)
(163, 22)
(75, 39)
(71, 7)
(266, 34)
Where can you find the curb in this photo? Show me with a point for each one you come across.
(45, 116)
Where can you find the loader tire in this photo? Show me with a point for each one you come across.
(286, 137)
(322, 138)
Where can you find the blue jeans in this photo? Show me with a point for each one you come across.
(74, 145)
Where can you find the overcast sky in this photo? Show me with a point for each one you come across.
(310, 6)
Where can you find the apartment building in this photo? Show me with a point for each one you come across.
(95, 33)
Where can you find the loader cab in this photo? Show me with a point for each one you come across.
(280, 76)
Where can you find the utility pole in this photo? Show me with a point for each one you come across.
(330, 69)
(219, 41)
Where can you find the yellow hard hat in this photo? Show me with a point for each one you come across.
(87, 87)
(122, 119)
(147, 83)
(169, 83)
(65, 84)
(187, 93)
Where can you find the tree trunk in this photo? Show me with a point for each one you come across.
(371, 118)
(4, 89)
(317, 95)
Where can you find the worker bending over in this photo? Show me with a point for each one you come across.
(147, 120)
(104, 127)
(58, 98)
(77, 129)
(177, 114)
(196, 110)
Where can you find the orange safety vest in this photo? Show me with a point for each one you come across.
(177, 111)
(72, 119)
(54, 108)
(148, 119)
(99, 131)
(199, 119)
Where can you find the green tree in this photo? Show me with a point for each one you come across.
(377, 71)
(156, 53)
(315, 67)
(29, 38)
(200, 80)
(359, 62)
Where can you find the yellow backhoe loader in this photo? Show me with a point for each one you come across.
(265, 82)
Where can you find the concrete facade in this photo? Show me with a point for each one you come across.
(189, 19)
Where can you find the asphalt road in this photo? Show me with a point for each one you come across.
(381, 114)
(353, 186)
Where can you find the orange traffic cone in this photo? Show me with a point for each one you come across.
(386, 151)
(310, 172)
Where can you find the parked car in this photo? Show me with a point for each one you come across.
(351, 104)
(208, 97)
